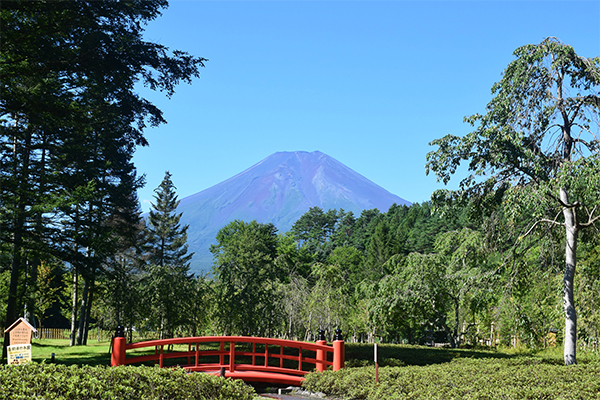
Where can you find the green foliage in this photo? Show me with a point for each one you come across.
(538, 144)
(168, 279)
(245, 277)
(167, 240)
(70, 121)
(59, 382)
(463, 378)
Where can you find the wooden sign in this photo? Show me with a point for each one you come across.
(20, 332)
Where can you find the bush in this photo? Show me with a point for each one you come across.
(59, 382)
(464, 378)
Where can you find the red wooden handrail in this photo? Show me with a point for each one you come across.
(321, 349)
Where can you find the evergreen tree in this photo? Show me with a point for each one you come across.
(169, 264)
(71, 120)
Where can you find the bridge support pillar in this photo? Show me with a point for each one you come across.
(321, 355)
(118, 347)
(338, 351)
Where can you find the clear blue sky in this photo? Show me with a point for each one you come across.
(369, 83)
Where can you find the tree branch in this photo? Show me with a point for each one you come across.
(549, 221)
(565, 205)
(591, 219)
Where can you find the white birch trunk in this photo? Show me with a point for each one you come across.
(570, 343)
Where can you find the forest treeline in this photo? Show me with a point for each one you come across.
(512, 256)
(412, 274)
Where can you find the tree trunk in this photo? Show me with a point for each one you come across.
(74, 306)
(570, 344)
(11, 307)
(456, 336)
(17, 235)
(83, 310)
(88, 314)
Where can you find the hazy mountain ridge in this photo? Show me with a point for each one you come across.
(278, 189)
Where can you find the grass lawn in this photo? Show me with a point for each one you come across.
(357, 354)
(95, 353)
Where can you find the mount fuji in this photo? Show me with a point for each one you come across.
(278, 189)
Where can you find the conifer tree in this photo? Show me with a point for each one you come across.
(169, 260)
(70, 120)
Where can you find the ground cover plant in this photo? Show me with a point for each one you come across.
(61, 382)
(406, 372)
(413, 372)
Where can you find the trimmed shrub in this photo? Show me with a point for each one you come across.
(465, 379)
(59, 382)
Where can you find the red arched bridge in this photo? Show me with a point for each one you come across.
(253, 359)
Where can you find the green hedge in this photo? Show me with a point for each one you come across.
(59, 382)
(465, 379)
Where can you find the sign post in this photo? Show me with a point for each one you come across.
(19, 349)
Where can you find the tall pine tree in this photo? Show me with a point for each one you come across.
(168, 273)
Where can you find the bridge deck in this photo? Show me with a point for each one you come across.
(260, 376)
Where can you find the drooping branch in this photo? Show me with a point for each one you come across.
(544, 220)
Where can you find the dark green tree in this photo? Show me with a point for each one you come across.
(169, 262)
(121, 290)
(536, 147)
(314, 231)
(383, 245)
(166, 237)
(246, 277)
(69, 110)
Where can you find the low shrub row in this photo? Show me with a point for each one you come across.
(465, 379)
(59, 382)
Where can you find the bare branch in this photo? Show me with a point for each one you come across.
(590, 222)
(585, 143)
(549, 221)
(591, 219)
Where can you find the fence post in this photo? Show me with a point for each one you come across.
(321, 353)
(119, 347)
(338, 350)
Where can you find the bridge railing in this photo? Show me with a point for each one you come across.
(271, 355)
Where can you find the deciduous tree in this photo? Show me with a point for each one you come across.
(537, 144)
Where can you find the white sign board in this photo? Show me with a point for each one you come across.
(19, 354)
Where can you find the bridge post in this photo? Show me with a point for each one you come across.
(231, 356)
(338, 350)
(321, 353)
(118, 349)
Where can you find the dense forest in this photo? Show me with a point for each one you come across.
(512, 258)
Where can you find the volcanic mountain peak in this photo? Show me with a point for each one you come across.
(278, 189)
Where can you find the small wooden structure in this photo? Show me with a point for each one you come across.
(19, 349)
(20, 332)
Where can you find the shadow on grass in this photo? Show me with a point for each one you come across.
(357, 354)
(92, 354)
(391, 354)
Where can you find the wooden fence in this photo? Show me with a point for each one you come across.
(98, 335)
(54, 333)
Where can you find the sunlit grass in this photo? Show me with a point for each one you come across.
(94, 353)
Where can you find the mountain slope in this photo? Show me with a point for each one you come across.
(278, 189)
